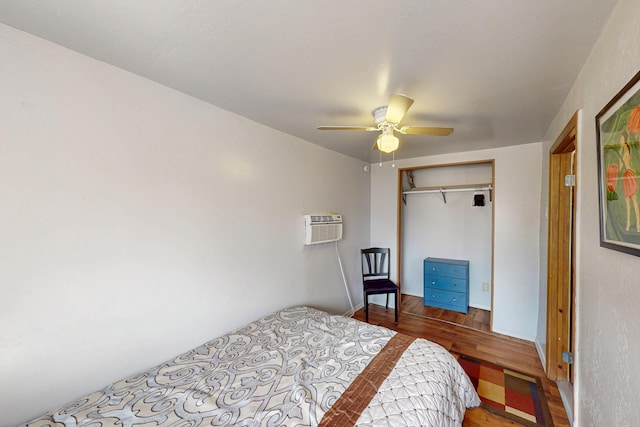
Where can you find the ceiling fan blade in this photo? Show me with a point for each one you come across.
(365, 128)
(424, 130)
(397, 108)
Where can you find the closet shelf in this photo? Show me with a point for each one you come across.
(443, 189)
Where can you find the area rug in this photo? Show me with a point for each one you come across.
(508, 393)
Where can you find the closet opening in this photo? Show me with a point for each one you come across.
(445, 242)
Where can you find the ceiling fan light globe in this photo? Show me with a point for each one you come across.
(387, 143)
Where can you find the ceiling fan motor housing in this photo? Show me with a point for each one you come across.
(379, 115)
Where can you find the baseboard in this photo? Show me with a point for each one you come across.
(542, 354)
(566, 394)
(515, 334)
(481, 307)
(350, 313)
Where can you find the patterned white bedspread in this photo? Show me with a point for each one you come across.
(286, 369)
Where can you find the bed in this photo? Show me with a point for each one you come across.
(296, 367)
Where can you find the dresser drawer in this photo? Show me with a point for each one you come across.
(446, 283)
(447, 269)
(445, 299)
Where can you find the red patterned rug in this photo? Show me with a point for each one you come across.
(508, 393)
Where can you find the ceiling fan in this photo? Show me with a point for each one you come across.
(388, 120)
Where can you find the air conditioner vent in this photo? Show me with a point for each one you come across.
(322, 229)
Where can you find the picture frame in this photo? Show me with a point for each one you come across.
(618, 144)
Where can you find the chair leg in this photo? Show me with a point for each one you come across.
(396, 294)
(366, 307)
(386, 307)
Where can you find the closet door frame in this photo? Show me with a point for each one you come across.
(401, 171)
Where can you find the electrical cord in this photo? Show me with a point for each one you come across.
(344, 279)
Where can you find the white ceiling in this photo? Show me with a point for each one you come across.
(495, 70)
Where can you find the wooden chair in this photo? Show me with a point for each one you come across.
(375, 277)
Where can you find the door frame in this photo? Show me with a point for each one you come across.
(561, 259)
(400, 203)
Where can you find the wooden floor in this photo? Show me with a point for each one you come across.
(502, 350)
(476, 318)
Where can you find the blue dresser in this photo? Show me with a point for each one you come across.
(446, 284)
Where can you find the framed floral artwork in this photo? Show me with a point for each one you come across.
(618, 136)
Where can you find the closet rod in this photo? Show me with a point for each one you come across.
(448, 189)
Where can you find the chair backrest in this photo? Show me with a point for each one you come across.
(375, 263)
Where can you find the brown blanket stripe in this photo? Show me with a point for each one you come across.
(347, 409)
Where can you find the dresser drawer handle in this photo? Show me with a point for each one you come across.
(433, 268)
(454, 299)
(433, 282)
(454, 271)
(455, 285)
(433, 295)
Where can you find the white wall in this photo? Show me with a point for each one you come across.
(608, 284)
(137, 222)
(516, 234)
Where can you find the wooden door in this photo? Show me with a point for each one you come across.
(561, 254)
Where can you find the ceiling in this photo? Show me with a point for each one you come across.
(495, 70)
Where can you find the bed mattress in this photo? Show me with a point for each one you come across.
(296, 367)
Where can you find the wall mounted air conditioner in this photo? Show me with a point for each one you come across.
(322, 228)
